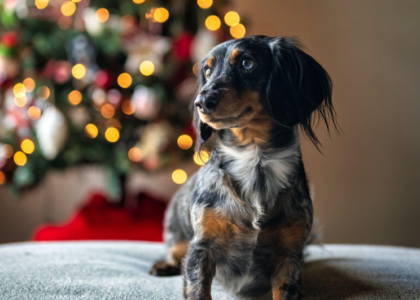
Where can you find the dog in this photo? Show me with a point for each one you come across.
(244, 218)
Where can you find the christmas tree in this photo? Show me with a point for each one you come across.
(102, 82)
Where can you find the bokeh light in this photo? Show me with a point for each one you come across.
(75, 97)
(41, 4)
(128, 107)
(2, 178)
(179, 176)
(202, 158)
(108, 111)
(43, 92)
(147, 68)
(7, 151)
(124, 80)
(161, 15)
(20, 102)
(76, 1)
(68, 8)
(19, 90)
(232, 18)
(29, 84)
(204, 4)
(34, 113)
(113, 123)
(27, 146)
(112, 134)
(138, 1)
(91, 131)
(196, 69)
(20, 158)
(213, 22)
(102, 15)
(79, 71)
(238, 31)
(185, 142)
(135, 154)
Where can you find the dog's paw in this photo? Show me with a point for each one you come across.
(163, 268)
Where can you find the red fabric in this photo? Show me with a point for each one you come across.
(100, 220)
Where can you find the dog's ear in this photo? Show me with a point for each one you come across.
(299, 89)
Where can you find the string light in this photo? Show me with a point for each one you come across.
(195, 69)
(68, 8)
(179, 176)
(78, 71)
(2, 178)
(75, 97)
(43, 92)
(161, 15)
(27, 146)
(34, 113)
(7, 151)
(135, 154)
(147, 68)
(108, 111)
(41, 4)
(124, 80)
(29, 84)
(202, 158)
(76, 1)
(91, 131)
(20, 158)
(102, 15)
(232, 18)
(185, 142)
(204, 4)
(19, 90)
(238, 31)
(20, 102)
(213, 22)
(128, 107)
(112, 134)
(138, 1)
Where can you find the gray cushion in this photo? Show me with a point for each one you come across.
(119, 270)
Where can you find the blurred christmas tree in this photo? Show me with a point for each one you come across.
(103, 82)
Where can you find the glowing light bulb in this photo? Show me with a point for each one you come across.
(76, 1)
(213, 22)
(185, 142)
(43, 92)
(204, 4)
(124, 80)
(20, 158)
(135, 154)
(78, 71)
(161, 15)
(179, 176)
(128, 107)
(41, 4)
(232, 18)
(147, 68)
(2, 178)
(91, 131)
(29, 84)
(112, 134)
(27, 146)
(20, 102)
(196, 69)
(102, 15)
(34, 113)
(75, 97)
(19, 90)
(238, 31)
(68, 8)
(108, 111)
(202, 158)
(138, 1)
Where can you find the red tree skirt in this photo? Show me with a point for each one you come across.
(100, 220)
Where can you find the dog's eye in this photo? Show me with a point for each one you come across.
(248, 64)
(207, 72)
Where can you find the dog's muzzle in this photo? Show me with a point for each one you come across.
(207, 103)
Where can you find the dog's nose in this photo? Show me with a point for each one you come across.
(207, 104)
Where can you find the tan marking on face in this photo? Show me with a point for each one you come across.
(233, 55)
(210, 62)
(178, 251)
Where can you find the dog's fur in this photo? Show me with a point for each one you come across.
(245, 217)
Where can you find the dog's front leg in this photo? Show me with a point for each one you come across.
(199, 270)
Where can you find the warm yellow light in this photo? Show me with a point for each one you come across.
(232, 18)
(102, 15)
(238, 31)
(204, 4)
(19, 90)
(112, 134)
(128, 107)
(79, 71)
(161, 15)
(20, 158)
(20, 102)
(108, 111)
(41, 4)
(29, 84)
(196, 69)
(213, 22)
(43, 92)
(34, 113)
(124, 80)
(68, 8)
(138, 1)
(135, 154)
(75, 97)
(147, 68)
(179, 176)
(27, 146)
(91, 130)
(205, 156)
(2, 178)
(185, 142)
(76, 1)
(7, 151)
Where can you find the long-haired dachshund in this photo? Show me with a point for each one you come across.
(245, 217)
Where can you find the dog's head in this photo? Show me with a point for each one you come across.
(256, 78)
